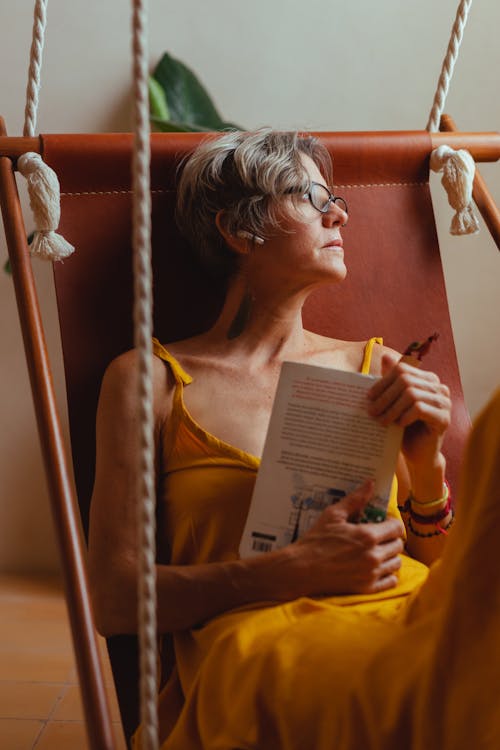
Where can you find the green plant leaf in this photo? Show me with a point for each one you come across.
(186, 97)
(158, 106)
(169, 126)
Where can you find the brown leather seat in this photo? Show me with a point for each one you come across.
(394, 289)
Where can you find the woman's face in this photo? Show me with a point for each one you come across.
(310, 247)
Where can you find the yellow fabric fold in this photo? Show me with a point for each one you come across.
(416, 667)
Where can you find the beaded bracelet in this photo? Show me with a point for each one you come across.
(430, 519)
(439, 529)
(434, 518)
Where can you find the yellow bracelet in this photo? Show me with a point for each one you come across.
(432, 503)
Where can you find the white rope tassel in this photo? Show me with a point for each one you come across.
(448, 66)
(44, 195)
(458, 175)
(43, 185)
(143, 330)
(457, 166)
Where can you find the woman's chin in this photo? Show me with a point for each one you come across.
(337, 271)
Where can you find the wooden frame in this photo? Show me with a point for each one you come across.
(484, 147)
(64, 506)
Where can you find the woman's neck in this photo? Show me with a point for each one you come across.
(260, 323)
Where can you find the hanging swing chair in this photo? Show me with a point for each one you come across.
(395, 287)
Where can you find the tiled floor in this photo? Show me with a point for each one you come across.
(40, 704)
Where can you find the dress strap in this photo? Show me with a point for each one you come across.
(367, 356)
(180, 375)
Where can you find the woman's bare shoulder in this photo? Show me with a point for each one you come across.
(119, 382)
(123, 369)
(197, 353)
(338, 353)
(350, 354)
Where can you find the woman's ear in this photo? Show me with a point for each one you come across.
(235, 241)
(241, 241)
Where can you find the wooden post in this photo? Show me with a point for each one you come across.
(63, 503)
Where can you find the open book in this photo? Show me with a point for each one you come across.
(321, 444)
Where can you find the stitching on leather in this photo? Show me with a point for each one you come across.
(109, 192)
(160, 191)
(383, 184)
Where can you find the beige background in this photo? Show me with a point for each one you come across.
(324, 64)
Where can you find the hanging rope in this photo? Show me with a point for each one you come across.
(43, 185)
(44, 193)
(448, 66)
(457, 166)
(143, 331)
(35, 68)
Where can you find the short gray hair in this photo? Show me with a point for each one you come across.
(244, 174)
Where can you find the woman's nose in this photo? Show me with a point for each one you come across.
(336, 215)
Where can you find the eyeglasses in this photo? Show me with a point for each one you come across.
(321, 198)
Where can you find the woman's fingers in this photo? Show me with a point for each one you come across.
(353, 504)
(385, 532)
(401, 377)
(350, 557)
(383, 584)
(436, 417)
(408, 395)
(390, 550)
(415, 403)
(384, 572)
(388, 567)
(370, 535)
(401, 370)
(382, 576)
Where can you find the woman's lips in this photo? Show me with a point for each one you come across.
(334, 245)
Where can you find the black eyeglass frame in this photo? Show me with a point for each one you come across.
(336, 199)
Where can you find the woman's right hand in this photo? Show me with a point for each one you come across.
(339, 556)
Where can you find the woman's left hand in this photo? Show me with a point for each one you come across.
(416, 400)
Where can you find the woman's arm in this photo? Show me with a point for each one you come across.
(416, 400)
(336, 556)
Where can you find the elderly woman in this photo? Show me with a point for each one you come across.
(268, 650)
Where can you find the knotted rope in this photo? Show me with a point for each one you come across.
(43, 185)
(143, 331)
(458, 176)
(457, 166)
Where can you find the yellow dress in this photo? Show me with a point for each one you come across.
(284, 676)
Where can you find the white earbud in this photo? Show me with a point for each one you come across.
(248, 236)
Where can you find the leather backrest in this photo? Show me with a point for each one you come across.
(395, 286)
(394, 289)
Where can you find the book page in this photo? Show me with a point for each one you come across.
(321, 444)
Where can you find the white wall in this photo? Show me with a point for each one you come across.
(324, 64)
